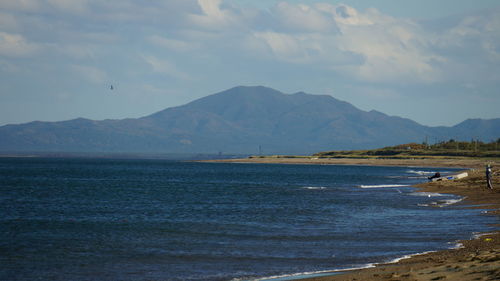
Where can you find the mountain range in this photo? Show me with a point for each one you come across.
(244, 120)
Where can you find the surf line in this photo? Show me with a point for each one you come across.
(324, 273)
(303, 275)
(383, 185)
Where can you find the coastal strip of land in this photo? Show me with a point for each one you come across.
(476, 259)
(410, 162)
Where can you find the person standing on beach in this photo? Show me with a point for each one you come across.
(488, 176)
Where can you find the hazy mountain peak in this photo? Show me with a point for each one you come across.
(239, 120)
(377, 112)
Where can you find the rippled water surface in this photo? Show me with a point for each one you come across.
(87, 219)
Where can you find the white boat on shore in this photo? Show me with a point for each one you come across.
(452, 177)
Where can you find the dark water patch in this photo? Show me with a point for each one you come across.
(108, 219)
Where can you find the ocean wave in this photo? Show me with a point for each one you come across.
(442, 203)
(314, 187)
(427, 194)
(302, 275)
(287, 277)
(396, 260)
(382, 185)
(456, 245)
(420, 172)
(479, 235)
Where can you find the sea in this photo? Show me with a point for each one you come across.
(133, 219)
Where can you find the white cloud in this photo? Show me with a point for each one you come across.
(346, 15)
(282, 45)
(165, 67)
(15, 45)
(482, 30)
(393, 52)
(303, 18)
(472, 48)
(363, 45)
(213, 17)
(289, 46)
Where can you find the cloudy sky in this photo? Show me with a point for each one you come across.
(436, 62)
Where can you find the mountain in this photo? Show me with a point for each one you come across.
(239, 120)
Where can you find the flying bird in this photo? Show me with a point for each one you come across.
(111, 88)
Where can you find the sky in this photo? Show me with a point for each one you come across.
(435, 62)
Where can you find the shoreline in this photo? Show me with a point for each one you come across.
(466, 163)
(475, 259)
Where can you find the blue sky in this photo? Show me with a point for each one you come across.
(436, 62)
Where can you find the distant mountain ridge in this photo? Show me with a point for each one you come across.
(239, 120)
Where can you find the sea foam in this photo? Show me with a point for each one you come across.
(442, 203)
(302, 275)
(422, 173)
(382, 185)
(314, 187)
(427, 194)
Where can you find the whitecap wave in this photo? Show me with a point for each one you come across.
(456, 245)
(382, 185)
(479, 235)
(314, 187)
(427, 194)
(422, 173)
(442, 203)
(302, 275)
(396, 260)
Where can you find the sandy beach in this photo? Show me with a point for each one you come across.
(416, 162)
(476, 259)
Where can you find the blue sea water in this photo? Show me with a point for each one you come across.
(105, 219)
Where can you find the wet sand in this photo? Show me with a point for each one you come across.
(478, 259)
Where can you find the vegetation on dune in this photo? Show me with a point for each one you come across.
(454, 148)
